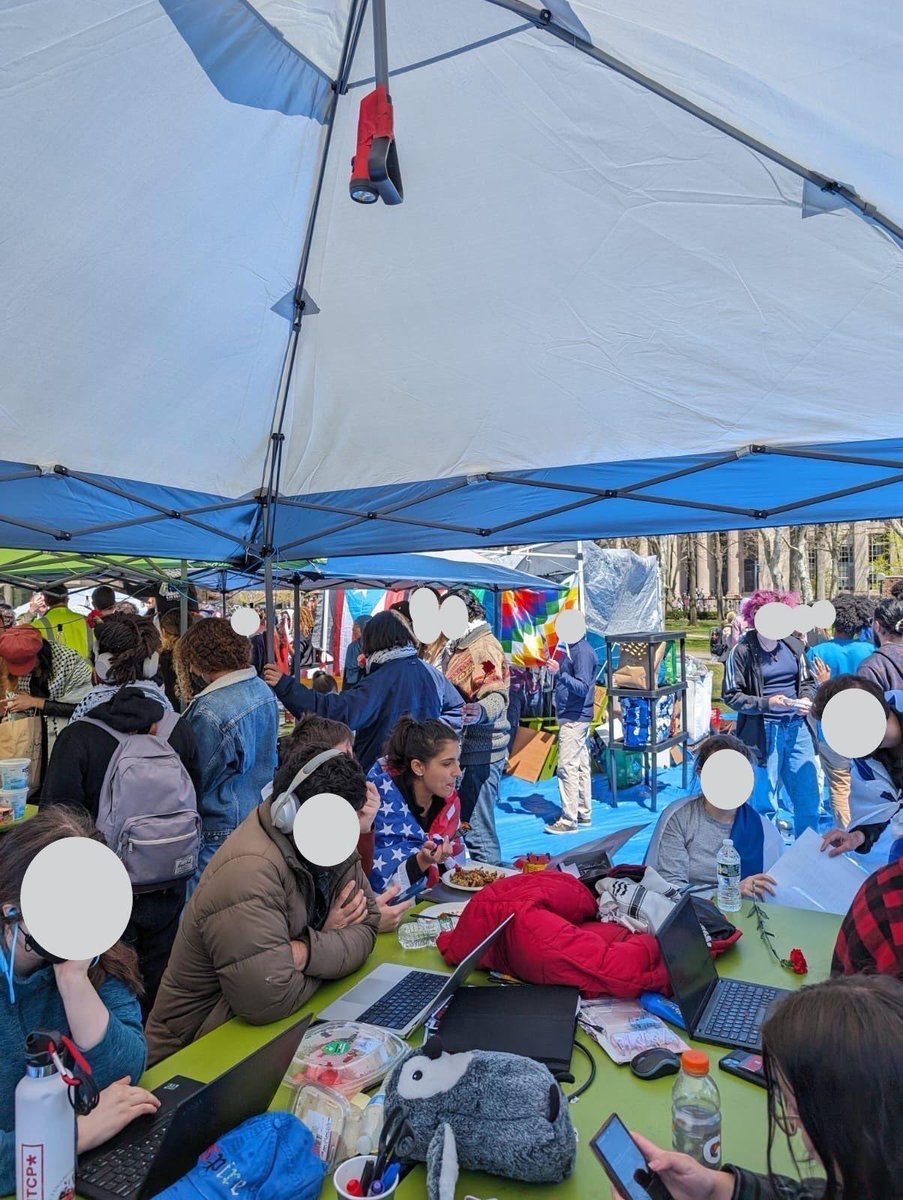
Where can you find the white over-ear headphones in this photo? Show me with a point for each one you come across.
(284, 808)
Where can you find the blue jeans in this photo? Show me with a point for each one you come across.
(211, 840)
(480, 786)
(790, 760)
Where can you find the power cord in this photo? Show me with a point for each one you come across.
(592, 1074)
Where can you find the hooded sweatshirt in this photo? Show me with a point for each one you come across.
(82, 753)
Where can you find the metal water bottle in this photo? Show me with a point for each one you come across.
(45, 1128)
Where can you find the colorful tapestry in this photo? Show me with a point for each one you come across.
(528, 623)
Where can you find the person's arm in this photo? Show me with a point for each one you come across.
(734, 690)
(250, 945)
(395, 853)
(356, 707)
(64, 782)
(452, 712)
(577, 677)
(808, 685)
(185, 745)
(216, 754)
(674, 853)
(493, 705)
(58, 708)
(335, 953)
(104, 1022)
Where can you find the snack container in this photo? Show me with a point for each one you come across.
(14, 773)
(6, 814)
(14, 800)
(325, 1113)
(346, 1056)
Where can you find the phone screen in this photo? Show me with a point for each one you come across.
(625, 1164)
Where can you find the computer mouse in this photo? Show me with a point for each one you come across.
(655, 1064)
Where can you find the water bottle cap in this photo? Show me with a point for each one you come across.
(727, 842)
(695, 1062)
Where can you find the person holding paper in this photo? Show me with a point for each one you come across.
(876, 794)
(690, 832)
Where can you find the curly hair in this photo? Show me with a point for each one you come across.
(889, 615)
(759, 599)
(208, 647)
(342, 776)
(852, 614)
(130, 641)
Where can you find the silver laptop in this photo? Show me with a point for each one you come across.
(401, 998)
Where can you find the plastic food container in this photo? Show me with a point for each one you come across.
(14, 800)
(346, 1056)
(14, 773)
(326, 1114)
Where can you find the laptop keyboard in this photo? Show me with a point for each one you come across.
(123, 1170)
(739, 1012)
(404, 1001)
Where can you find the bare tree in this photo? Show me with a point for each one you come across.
(719, 556)
(692, 610)
(800, 575)
(773, 540)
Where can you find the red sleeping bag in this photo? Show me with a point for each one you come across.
(556, 937)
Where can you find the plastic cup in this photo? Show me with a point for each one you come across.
(353, 1168)
(14, 773)
(14, 798)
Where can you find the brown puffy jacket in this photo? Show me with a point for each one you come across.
(232, 955)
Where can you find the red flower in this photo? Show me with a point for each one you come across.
(798, 963)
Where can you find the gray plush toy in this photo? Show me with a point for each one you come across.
(483, 1111)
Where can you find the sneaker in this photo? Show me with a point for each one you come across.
(582, 820)
(562, 826)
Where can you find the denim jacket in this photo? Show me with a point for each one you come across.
(235, 722)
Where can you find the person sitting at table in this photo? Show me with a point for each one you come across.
(416, 827)
(265, 926)
(870, 941)
(833, 1057)
(96, 1005)
(690, 832)
(876, 782)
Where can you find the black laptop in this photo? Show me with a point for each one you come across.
(725, 1012)
(153, 1152)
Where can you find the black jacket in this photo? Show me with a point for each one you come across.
(743, 688)
(82, 753)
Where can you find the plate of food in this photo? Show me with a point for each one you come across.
(452, 908)
(474, 879)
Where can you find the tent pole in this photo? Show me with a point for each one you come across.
(224, 592)
(581, 588)
(296, 630)
(380, 44)
(271, 607)
(183, 598)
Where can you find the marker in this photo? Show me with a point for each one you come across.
(391, 1177)
(353, 1187)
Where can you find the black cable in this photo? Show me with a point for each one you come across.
(592, 1074)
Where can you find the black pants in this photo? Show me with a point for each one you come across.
(151, 933)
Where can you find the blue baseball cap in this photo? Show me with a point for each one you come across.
(269, 1157)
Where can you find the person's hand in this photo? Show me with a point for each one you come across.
(390, 914)
(348, 908)
(684, 1177)
(472, 713)
(272, 674)
(367, 814)
(22, 702)
(118, 1106)
(821, 671)
(840, 842)
(300, 954)
(755, 886)
(778, 702)
(433, 854)
(72, 971)
(553, 666)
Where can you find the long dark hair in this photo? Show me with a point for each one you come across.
(130, 641)
(386, 631)
(20, 846)
(421, 740)
(838, 1047)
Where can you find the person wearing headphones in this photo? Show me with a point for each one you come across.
(265, 925)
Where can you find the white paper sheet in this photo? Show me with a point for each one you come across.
(808, 878)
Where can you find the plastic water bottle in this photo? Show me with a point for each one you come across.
(696, 1111)
(727, 866)
(45, 1131)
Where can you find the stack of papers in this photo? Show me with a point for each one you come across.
(809, 878)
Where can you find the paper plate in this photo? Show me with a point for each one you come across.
(454, 909)
(459, 887)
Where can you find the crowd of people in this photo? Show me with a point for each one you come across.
(416, 741)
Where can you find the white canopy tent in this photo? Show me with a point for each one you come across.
(599, 310)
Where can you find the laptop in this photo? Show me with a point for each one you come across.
(401, 999)
(153, 1152)
(724, 1012)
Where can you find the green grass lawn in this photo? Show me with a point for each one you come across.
(698, 645)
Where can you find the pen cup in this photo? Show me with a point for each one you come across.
(353, 1168)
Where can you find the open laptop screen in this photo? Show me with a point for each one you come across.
(690, 966)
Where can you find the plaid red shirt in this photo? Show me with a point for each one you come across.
(871, 936)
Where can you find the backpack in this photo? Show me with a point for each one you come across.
(716, 641)
(148, 811)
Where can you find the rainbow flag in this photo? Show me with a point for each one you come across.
(528, 623)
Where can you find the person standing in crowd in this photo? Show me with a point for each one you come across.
(575, 668)
(126, 654)
(323, 682)
(258, 642)
(396, 682)
(885, 666)
(476, 665)
(266, 926)
(96, 1004)
(60, 624)
(103, 605)
(691, 831)
(353, 673)
(416, 827)
(45, 679)
(75, 777)
(235, 722)
(833, 1062)
(7, 616)
(841, 655)
(770, 686)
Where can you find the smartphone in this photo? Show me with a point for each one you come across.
(625, 1164)
(745, 1065)
(411, 892)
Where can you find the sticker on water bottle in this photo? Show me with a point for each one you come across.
(711, 1151)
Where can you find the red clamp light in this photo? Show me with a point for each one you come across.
(375, 174)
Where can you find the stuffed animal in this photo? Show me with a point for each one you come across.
(483, 1111)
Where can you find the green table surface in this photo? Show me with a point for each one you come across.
(643, 1106)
